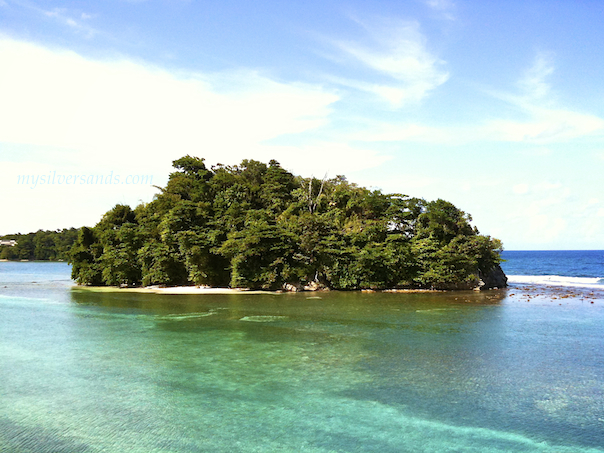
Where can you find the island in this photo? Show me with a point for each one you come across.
(42, 245)
(257, 226)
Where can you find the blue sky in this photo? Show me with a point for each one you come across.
(495, 106)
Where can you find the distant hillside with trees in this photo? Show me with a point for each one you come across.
(41, 245)
(255, 225)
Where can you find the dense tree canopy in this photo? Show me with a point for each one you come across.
(255, 225)
(41, 245)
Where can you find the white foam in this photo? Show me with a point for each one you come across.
(262, 318)
(558, 280)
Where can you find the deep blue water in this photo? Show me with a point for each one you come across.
(582, 268)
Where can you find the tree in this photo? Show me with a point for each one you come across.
(258, 226)
(120, 256)
(84, 258)
(161, 265)
(276, 188)
(261, 256)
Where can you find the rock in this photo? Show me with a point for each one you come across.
(315, 286)
(291, 288)
(493, 279)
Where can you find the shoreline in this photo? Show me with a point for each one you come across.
(205, 290)
(172, 290)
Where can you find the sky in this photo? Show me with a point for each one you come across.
(495, 106)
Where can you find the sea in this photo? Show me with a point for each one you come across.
(519, 369)
(568, 268)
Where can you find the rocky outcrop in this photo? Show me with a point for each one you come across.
(291, 288)
(312, 286)
(494, 279)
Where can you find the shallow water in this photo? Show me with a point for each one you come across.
(387, 372)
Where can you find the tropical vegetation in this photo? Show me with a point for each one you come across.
(256, 225)
(41, 245)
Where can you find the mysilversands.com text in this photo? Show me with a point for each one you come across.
(54, 178)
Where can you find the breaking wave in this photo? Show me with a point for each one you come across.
(558, 280)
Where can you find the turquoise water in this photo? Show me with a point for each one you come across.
(313, 372)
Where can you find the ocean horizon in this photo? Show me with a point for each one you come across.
(571, 268)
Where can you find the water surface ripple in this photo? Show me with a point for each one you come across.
(329, 372)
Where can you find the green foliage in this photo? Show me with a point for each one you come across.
(255, 225)
(202, 265)
(84, 258)
(40, 246)
(448, 267)
(161, 265)
(120, 252)
(261, 255)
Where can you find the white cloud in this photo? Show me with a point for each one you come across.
(547, 186)
(76, 21)
(590, 221)
(440, 4)
(539, 125)
(66, 113)
(327, 158)
(534, 82)
(543, 121)
(63, 113)
(538, 119)
(135, 113)
(398, 51)
(545, 229)
(419, 133)
(552, 213)
(544, 126)
(538, 151)
(443, 7)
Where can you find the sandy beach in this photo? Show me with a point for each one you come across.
(206, 290)
(198, 290)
